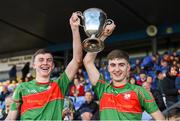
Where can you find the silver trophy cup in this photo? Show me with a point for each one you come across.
(94, 21)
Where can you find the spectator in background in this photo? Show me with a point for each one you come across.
(67, 115)
(136, 67)
(28, 77)
(12, 86)
(159, 80)
(68, 109)
(166, 56)
(174, 53)
(163, 66)
(80, 72)
(86, 114)
(56, 72)
(76, 89)
(149, 79)
(8, 102)
(132, 80)
(105, 72)
(178, 65)
(177, 83)
(4, 93)
(89, 109)
(62, 68)
(82, 80)
(149, 62)
(167, 85)
(12, 73)
(76, 92)
(142, 78)
(1, 86)
(25, 70)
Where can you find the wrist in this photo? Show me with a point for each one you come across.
(75, 29)
(102, 38)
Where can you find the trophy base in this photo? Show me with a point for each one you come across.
(93, 45)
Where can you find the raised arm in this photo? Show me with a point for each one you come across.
(91, 69)
(76, 61)
(89, 59)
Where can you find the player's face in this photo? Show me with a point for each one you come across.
(43, 64)
(118, 69)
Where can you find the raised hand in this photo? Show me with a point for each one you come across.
(107, 31)
(74, 21)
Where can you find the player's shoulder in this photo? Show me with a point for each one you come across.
(22, 84)
(136, 87)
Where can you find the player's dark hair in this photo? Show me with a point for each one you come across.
(41, 51)
(118, 54)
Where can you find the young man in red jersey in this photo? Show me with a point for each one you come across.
(119, 100)
(42, 98)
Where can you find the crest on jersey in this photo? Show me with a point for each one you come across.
(127, 96)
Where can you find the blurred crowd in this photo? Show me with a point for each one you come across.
(159, 74)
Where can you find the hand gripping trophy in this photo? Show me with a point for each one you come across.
(94, 20)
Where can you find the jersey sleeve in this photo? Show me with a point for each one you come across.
(63, 82)
(147, 101)
(17, 98)
(100, 87)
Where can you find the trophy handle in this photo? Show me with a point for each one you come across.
(109, 22)
(80, 15)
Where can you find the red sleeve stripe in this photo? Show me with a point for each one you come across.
(102, 81)
(152, 100)
(16, 101)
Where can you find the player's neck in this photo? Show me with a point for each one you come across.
(118, 84)
(42, 79)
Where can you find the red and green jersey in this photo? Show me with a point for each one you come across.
(41, 101)
(123, 103)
